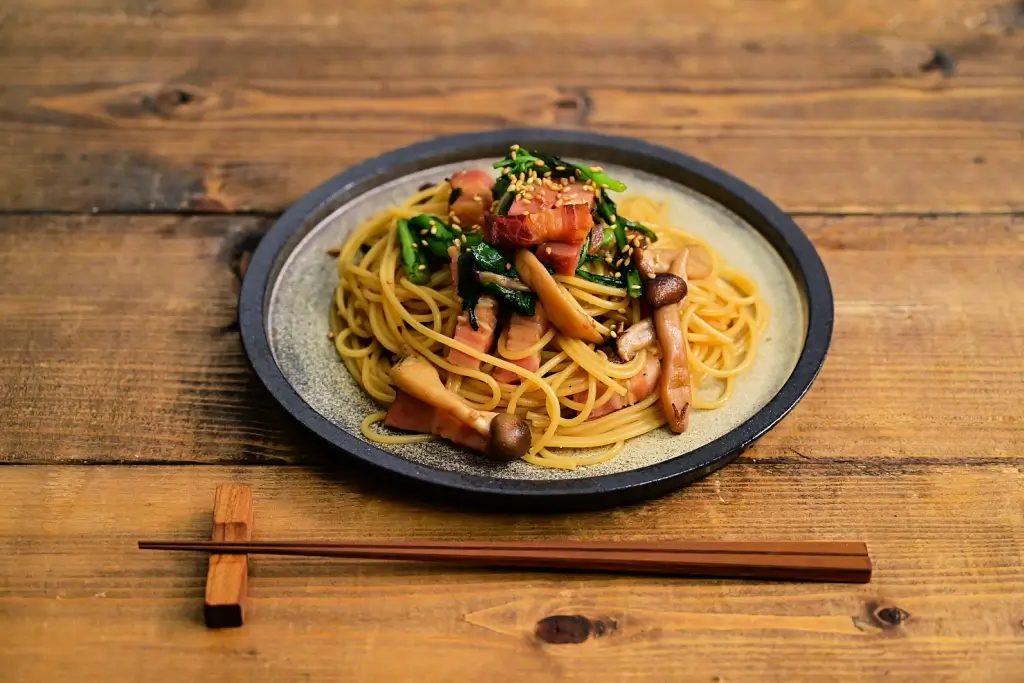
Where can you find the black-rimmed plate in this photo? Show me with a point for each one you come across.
(290, 281)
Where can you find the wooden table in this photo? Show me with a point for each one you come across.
(146, 145)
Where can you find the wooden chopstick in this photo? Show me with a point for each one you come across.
(810, 561)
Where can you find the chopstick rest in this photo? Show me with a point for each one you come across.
(227, 579)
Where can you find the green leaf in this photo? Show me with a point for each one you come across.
(414, 262)
(599, 279)
(469, 287)
(490, 259)
(524, 303)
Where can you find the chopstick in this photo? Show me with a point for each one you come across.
(840, 561)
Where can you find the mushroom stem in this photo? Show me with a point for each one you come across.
(417, 377)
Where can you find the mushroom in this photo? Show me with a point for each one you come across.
(665, 289)
(508, 435)
(637, 337)
(675, 370)
(564, 311)
(698, 261)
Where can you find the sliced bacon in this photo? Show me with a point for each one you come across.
(563, 257)
(549, 195)
(544, 212)
(474, 198)
(410, 413)
(560, 224)
(481, 339)
(413, 415)
(523, 332)
(638, 387)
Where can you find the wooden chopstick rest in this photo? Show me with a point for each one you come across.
(227, 579)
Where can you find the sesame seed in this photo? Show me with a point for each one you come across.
(334, 251)
(422, 267)
(547, 174)
(504, 171)
(547, 250)
(423, 242)
(538, 162)
(508, 266)
(614, 335)
(618, 274)
(463, 238)
(477, 198)
(651, 276)
(559, 168)
(619, 262)
(433, 231)
(608, 259)
(513, 155)
(526, 212)
(613, 218)
(423, 231)
(596, 169)
(330, 335)
(455, 242)
(513, 148)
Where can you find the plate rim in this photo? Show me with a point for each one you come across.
(604, 490)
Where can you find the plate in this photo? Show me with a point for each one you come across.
(288, 288)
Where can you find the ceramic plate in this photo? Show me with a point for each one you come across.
(287, 293)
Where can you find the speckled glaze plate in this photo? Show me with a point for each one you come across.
(288, 288)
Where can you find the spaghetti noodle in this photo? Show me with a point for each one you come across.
(379, 315)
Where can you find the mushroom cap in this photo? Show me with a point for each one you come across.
(510, 437)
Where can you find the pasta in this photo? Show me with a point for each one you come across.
(380, 315)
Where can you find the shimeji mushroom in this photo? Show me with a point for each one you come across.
(508, 435)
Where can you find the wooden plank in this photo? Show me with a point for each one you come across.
(227, 578)
(119, 344)
(945, 603)
(246, 106)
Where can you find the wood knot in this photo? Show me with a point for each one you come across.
(573, 106)
(179, 101)
(941, 61)
(891, 617)
(572, 629)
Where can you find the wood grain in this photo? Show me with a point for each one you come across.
(203, 106)
(119, 344)
(946, 601)
(227, 578)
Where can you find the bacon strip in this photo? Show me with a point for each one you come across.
(561, 256)
(561, 224)
(474, 199)
(546, 211)
(481, 339)
(638, 387)
(523, 332)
